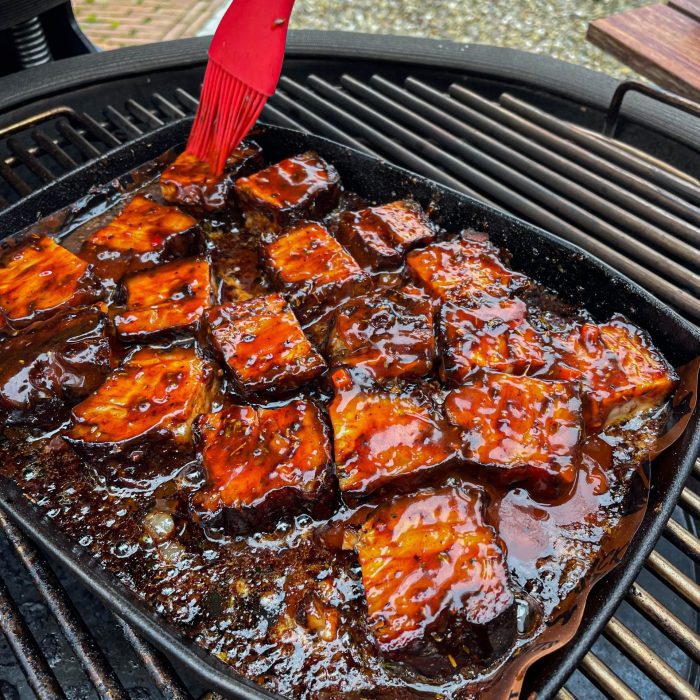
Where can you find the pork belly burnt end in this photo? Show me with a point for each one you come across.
(169, 298)
(53, 364)
(388, 333)
(525, 429)
(381, 434)
(464, 269)
(436, 581)
(189, 181)
(495, 335)
(265, 463)
(144, 235)
(312, 269)
(236, 264)
(138, 424)
(262, 345)
(302, 187)
(620, 370)
(39, 278)
(381, 236)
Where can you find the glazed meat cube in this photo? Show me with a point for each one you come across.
(302, 187)
(463, 270)
(496, 335)
(236, 265)
(168, 298)
(650, 380)
(53, 364)
(144, 235)
(621, 371)
(140, 420)
(312, 269)
(189, 181)
(381, 236)
(389, 334)
(265, 463)
(526, 429)
(436, 581)
(40, 278)
(383, 434)
(262, 345)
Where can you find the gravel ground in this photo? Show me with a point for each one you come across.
(553, 27)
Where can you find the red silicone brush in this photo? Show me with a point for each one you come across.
(245, 61)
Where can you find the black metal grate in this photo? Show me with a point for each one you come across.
(639, 215)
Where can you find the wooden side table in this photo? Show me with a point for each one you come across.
(661, 42)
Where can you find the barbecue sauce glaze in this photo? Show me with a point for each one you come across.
(286, 608)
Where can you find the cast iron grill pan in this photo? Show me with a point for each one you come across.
(571, 272)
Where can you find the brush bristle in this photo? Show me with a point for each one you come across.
(227, 111)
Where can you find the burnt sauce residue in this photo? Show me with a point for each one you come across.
(287, 608)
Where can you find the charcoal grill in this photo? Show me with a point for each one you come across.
(520, 131)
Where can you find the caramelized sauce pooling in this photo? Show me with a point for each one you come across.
(285, 605)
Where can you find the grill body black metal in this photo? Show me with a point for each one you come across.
(479, 124)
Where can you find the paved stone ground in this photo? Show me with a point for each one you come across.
(554, 27)
(113, 23)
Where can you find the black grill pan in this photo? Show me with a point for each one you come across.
(573, 273)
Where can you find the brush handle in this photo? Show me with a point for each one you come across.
(249, 42)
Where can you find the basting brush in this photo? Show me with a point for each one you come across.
(245, 61)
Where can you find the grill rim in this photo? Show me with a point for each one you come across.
(168, 638)
(520, 68)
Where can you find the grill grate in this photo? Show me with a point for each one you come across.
(639, 215)
(92, 659)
